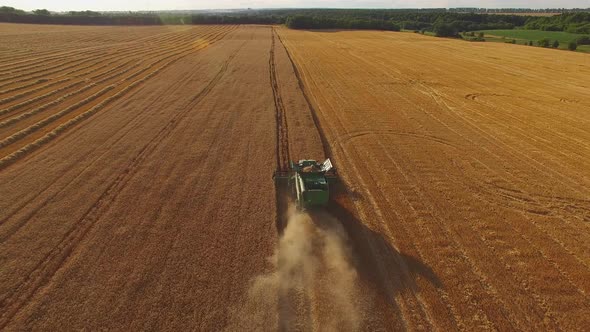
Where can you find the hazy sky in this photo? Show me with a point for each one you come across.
(64, 5)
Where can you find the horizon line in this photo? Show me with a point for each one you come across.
(296, 8)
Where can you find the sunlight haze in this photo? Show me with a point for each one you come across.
(107, 5)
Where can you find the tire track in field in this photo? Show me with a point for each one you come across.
(431, 174)
(283, 155)
(332, 303)
(497, 178)
(415, 301)
(422, 211)
(560, 271)
(294, 304)
(495, 239)
(56, 259)
(409, 192)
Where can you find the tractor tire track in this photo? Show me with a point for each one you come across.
(283, 156)
(294, 305)
(416, 303)
(313, 314)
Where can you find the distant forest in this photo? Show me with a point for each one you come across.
(443, 22)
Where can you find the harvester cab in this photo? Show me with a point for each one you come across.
(309, 181)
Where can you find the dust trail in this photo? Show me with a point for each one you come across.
(342, 294)
(312, 263)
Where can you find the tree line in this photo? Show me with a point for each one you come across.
(569, 22)
(442, 22)
(381, 19)
(43, 16)
(517, 10)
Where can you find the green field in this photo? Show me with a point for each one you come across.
(523, 36)
(534, 35)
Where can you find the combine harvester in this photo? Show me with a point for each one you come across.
(308, 181)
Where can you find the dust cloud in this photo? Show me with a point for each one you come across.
(313, 284)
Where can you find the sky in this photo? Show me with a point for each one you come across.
(118, 5)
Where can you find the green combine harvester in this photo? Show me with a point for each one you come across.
(309, 182)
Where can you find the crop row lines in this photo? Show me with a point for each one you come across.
(453, 111)
(132, 49)
(437, 292)
(80, 55)
(44, 72)
(62, 127)
(171, 56)
(501, 243)
(52, 54)
(14, 301)
(88, 70)
(518, 135)
(44, 64)
(24, 86)
(513, 174)
(41, 108)
(417, 202)
(63, 98)
(91, 56)
(19, 135)
(429, 175)
(29, 92)
(35, 99)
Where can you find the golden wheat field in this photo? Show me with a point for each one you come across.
(137, 192)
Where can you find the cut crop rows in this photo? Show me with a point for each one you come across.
(27, 123)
